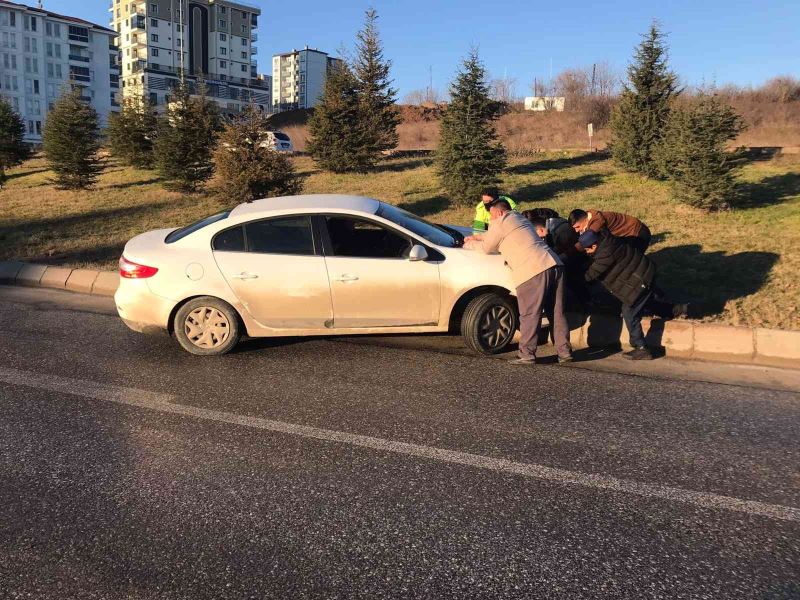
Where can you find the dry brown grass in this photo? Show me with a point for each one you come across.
(741, 267)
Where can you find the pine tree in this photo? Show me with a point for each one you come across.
(638, 120)
(132, 131)
(469, 156)
(337, 134)
(693, 156)
(13, 149)
(71, 140)
(246, 164)
(377, 97)
(186, 137)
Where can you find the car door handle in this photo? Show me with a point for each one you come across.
(245, 275)
(346, 278)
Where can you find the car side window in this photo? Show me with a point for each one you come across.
(230, 240)
(286, 235)
(365, 239)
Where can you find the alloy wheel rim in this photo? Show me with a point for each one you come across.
(207, 327)
(496, 327)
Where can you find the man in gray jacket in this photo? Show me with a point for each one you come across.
(538, 275)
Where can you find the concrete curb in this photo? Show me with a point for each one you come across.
(85, 281)
(685, 339)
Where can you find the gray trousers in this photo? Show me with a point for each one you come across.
(544, 291)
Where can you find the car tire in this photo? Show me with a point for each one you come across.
(207, 326)
(489, 323)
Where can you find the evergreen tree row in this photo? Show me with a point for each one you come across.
(658, 136)
(356, 119)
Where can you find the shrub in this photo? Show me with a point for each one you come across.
(693, 155)
(247, 166)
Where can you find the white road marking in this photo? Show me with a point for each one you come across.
(163, 403)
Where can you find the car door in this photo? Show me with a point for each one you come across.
(373, 283)
(277, 271)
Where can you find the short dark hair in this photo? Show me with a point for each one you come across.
(543, 213)
(501, 204)
(538, 222)
(491, 191)
(577, 215)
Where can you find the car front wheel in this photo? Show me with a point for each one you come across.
(207, 326)
(489, 323)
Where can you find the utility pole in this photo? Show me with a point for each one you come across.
(180, 19)
(594, 70)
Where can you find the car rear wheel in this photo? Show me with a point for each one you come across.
(207, 326)
(489, 323)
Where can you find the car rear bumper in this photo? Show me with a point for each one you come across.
(140, 309)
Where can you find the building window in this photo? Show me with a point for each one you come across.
(244, 42)
(48, 28)
(30, 127)
(48, 49)
(153, 22)
(57, 48)
(222, 10)
(223, 37)
(154, 8)
(35, 86)
(38, 126)
(244, 54)
(223, 64)
(244, 28)
(222, 24)
(50, 71)
(12, 19)
(153, 37)
(223, 51)
(58, 72)
(244, 68)
(154, 52)
(178, 27)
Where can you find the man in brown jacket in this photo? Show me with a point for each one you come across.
(538, 276)
(628, 228)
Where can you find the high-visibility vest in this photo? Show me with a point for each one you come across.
(482, 217)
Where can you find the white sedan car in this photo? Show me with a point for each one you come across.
(313, 265)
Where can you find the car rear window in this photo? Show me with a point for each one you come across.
(181, 233)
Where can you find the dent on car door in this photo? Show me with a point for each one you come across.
(276, 270)
(373, 282)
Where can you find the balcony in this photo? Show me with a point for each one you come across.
(253, 36)
(138, 22)
(79, 58)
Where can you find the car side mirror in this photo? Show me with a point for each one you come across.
(418, 253)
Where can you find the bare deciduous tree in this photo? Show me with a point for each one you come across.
(504, 89)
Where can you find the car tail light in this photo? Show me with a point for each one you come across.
(131, 270)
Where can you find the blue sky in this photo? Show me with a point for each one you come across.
(738, 41)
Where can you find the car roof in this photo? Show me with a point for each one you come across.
(318, 202)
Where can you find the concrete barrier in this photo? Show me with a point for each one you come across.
(687, 339)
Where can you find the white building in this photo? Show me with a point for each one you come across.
(544, 103)
(298, 78)
(212, 40)
(45, 53)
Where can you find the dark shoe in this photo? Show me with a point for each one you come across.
(642, 353)
(565, 359)
(680, 310)
(523, 361)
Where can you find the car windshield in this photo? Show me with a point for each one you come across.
(281, 136)
(181, 233)
(435, 234)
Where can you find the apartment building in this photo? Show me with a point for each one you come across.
(208, 40)
(298, 78)
(43, 53)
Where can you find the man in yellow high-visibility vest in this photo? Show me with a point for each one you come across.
(482, 216)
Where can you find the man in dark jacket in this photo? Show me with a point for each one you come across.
(561, 237)
(629, 275)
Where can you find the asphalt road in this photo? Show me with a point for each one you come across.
(335, 469)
